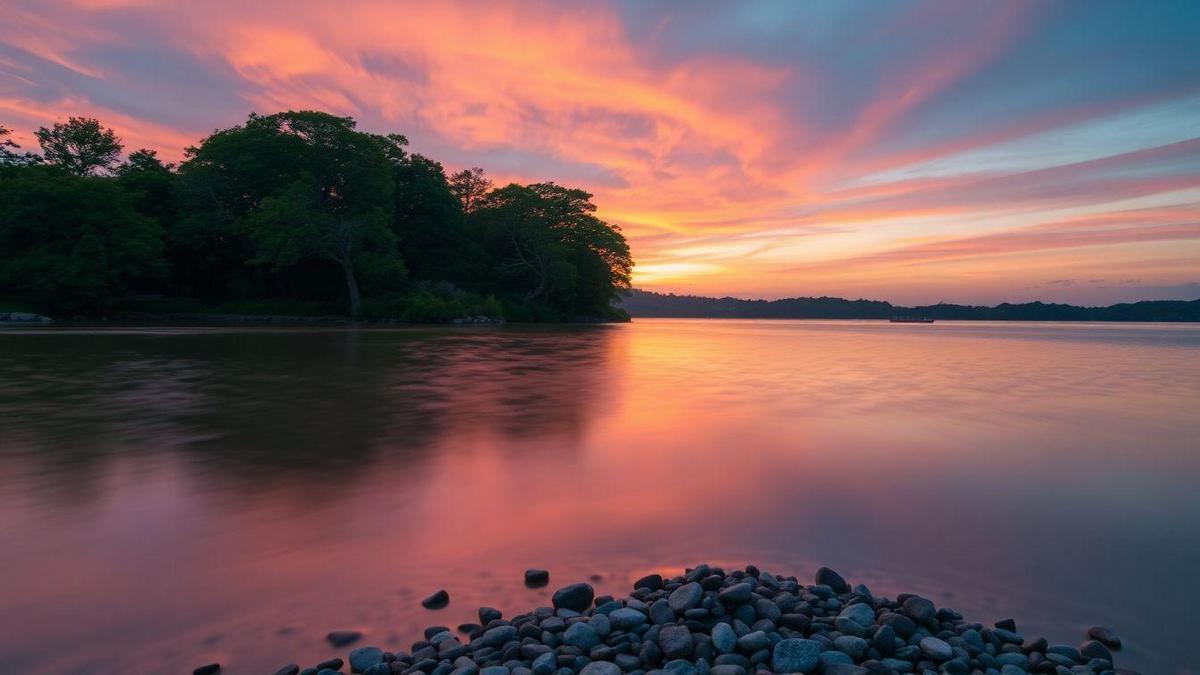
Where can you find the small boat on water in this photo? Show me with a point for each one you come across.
(910, 319)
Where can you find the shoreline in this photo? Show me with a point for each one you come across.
(710, 621)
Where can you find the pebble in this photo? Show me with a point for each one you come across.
(341, 638)
(736, 594)
(675, 642)
(713, 621)
(827, 577)
(364, 657)
(724, 639)
(209, 669)
(936, 649)
(599, 668)
(795, 655)
(626, 619)
(575, 597)
(919, 609)
(581, 635)
(1105, 636)
(437, 600)
(685, 597)
(536, 577)
(289, 669)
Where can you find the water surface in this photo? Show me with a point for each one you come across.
(176, 496)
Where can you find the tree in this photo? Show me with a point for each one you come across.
(8, 148)
(429, 222)
(546, 241)
(80, 145)
(302, 185)
(73, 243)
(152, 186)
(470, 187)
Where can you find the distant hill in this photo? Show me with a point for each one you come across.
(649, 304)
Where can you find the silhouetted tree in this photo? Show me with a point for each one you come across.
(547, 241)
(73, 242)
(8, 151)
(470, 187)
(303, 184)
(80, 146)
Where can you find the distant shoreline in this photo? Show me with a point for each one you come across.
(648, 304)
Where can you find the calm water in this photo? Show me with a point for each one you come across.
(173, 497)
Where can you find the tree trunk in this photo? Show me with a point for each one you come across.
(352, 287)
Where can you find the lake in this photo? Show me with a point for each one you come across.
(177, 496)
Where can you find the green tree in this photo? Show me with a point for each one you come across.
(302, 185)
(152, 185)
(72, 242)
(80, 146)
(434, 240)
(545, 240)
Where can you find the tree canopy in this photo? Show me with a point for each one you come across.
(298, 211)
(81, 145)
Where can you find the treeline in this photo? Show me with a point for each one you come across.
(650, 304)
(294, 213)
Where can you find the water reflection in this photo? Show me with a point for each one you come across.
(272, 406)
(183, 496)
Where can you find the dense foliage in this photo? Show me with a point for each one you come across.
(297, 212)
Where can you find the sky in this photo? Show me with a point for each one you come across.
(910, 151)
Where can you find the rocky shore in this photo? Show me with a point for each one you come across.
(712, 621)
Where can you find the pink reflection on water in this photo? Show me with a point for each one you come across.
(186, 497)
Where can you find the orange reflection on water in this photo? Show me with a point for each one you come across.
(182, 496)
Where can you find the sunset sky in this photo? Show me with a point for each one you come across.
(908, 151)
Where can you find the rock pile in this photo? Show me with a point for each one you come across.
(715, 622)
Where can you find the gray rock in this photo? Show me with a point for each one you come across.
(576, 597)
(536, 577)
(545, 664)
(827, 577)
(724, 639)
(494, 670)
(680, 667)
(831, 657)
(602, 624)
(600, 668)
(364, 657)
(937, 649)
(855, 647)
(675, 642)
(385, 669)
(685, 597)
(1105, 636)
(795, 655)
(860, 613)
(341, 638)
(436, 601)
(627, 619)
(1094, 649)
(736, 594)
(581, 635)
(920, 609)
(289, 669)
(498, 636)
(752, 642)
(844, 669)
(661, 612)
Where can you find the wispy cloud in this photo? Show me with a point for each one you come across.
(776, 149)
